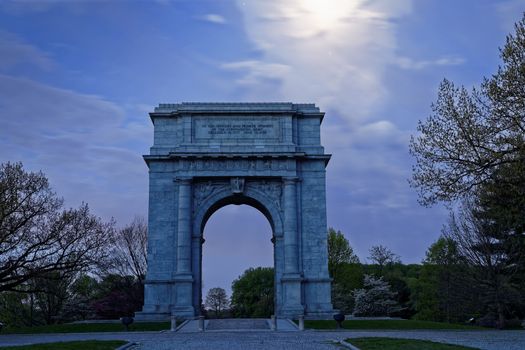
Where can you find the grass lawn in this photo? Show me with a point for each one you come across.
(387, 324)
(72, 345)
(401, 344)
(88, 327)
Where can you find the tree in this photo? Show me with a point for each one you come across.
(472, 150)
(339, 252)
(443, 252)
(82, 293)
(130, 249)
(52, 295)
(252, 293)
(382, 256)
(118, 296)
(443, 256)
(15, 309)
(349, 277)
(470, 134)
(217, 300)
(37, 238)
(445, 290)
(473, 234)
(501, 203)
(375, 298)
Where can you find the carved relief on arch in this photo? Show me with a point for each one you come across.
(265, 195)
(205, 189)
(272, 190)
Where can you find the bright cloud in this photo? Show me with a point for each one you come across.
(335, 52)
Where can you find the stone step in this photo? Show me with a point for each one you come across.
(237, 324)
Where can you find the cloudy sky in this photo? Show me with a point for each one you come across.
(77, 79)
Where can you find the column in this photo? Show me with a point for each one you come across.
(183, 279)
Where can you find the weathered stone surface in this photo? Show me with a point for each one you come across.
(208, 155)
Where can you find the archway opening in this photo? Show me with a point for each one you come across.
(237, 237)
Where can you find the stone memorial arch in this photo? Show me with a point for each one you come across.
(208, 155)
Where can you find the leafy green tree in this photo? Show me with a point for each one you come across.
(349, 278)
(443, 252)
(470, 134)
(253, 293)
(443, 259)
(82, 293)
(15, 309)
(402, 294)
(339, 252)
(344, 267)
(445, 291)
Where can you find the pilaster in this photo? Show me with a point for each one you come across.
(183, 278)
(291, 279)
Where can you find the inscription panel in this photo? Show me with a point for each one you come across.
(238, 128)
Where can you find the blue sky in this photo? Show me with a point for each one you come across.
(77, 79)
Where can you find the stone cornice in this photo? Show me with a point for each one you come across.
(237, 106)
(203, 156)
(230, 108)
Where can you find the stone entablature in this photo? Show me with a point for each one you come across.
(231, 127)
(208, 155)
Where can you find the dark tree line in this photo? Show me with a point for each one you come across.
(61, 264)
(447, 286)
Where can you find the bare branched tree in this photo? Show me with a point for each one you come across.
(37, 237)
(382, 256)
(217, 300)
(130, 249)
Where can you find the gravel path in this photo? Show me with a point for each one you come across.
(489, 340)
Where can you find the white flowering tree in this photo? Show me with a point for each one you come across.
(375, 298)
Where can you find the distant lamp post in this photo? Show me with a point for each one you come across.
(126, 321)
(339, 318)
